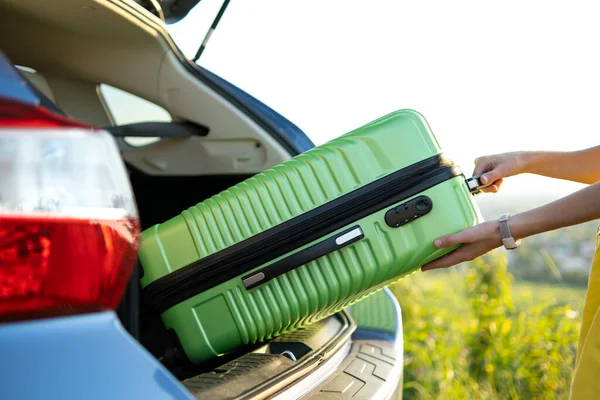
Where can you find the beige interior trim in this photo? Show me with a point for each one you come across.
(79, 99)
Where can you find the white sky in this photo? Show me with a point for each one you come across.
(511, 75)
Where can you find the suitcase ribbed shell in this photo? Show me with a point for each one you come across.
(222, 319)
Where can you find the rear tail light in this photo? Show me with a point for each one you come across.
(68, 222)
(15, 114)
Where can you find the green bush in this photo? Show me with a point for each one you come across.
(474, 333)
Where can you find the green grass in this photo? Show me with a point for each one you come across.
(446, 289)
(475, 333)
(527, 295)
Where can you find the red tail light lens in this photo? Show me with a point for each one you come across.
(68, 223)
(63, 263)
(15, 114)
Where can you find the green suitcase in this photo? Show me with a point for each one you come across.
(306, 238)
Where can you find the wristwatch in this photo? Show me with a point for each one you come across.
(509, 242)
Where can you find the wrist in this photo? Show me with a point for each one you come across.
(545, 162)
(492, 231)
(520, 227)
(527, 161)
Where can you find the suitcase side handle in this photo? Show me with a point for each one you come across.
(327, 246)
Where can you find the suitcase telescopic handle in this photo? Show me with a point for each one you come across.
(475, 185)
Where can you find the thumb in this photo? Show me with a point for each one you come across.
(467, 236)
(449, 240)
(492, 176)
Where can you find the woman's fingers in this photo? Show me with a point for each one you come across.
(449, 240)
(494, 175)
(493, 168)
(493, 188)
(476, 241)
(491, 172)
(482, 165)
(467, 236)
(454, 258)
(467, 252)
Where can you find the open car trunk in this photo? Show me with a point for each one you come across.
(335, 358)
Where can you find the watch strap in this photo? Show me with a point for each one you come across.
(508, 240)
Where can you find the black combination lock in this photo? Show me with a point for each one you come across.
(409, 211)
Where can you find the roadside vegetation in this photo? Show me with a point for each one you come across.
(475, 332)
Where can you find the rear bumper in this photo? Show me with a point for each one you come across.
(80, 357)
(346, 358)
(91, 356)
(372, 369)
(372, 366)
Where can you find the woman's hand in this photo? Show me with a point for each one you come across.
(485, 237)
(476, 241)
(496, 167)
(579, 207)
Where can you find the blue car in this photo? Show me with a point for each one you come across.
(106, 129)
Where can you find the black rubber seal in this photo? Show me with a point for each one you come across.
(275, 242)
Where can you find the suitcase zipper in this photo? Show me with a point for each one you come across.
(281, 239)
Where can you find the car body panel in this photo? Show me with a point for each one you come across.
(378, 316)
(92, 356)
(86, 356)
(14, 86)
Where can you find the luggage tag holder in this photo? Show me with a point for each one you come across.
(474, 184)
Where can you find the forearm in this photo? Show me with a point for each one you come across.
(577, 208)
(578, 166)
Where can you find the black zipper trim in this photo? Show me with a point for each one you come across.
(275, 242)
